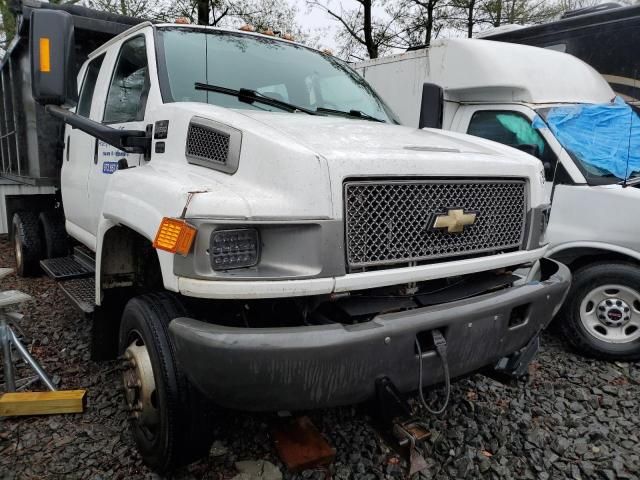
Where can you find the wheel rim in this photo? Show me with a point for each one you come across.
(140, 387)
(611, 313)
(18, 249)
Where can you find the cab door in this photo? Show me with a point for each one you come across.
(80, 149)
(511, 125)
(124, 108)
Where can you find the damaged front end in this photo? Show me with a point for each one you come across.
(312, 352)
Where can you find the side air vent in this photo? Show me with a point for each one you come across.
(213, 145)
(208, 144)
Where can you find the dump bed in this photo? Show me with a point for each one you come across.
(31, 141)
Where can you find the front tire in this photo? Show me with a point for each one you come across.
(27, 243)
(170, 419)
(601, 316)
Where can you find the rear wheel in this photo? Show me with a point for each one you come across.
(27, 243)
(601, 316)
(170, 419)
(54, 234)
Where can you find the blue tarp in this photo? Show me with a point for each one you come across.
(606, 136)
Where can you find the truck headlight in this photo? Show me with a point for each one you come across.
(235, 248)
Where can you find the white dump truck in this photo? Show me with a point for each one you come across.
(256, 231)
(563, 112)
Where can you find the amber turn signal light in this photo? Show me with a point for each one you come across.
(45, 55)
(175, 236)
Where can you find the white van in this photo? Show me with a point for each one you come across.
(496, 90)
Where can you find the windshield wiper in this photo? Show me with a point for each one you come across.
(630, 183)
(350, 113)
(251, 96)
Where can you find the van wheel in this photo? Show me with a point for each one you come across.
(54, 234)
(601, 316)
(170, 420)
(27, 243)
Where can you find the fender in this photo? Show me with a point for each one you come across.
(556, 249)
(164, 258)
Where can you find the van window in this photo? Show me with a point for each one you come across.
(89, 86)
(513, 129)
(129, 88)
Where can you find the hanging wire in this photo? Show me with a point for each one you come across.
(441, 349)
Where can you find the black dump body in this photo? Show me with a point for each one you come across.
(31, 140)
(608, 39)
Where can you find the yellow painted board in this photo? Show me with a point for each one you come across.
(42, 403)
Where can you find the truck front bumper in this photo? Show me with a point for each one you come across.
(299, 368)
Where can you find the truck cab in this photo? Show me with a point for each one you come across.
(265, 236)
(507, 97)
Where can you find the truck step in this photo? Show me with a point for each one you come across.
(64, 268)
(84, 256)
(82, 292)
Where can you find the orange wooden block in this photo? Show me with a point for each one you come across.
(42, 403)
(301, 446)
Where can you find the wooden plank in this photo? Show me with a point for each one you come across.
(42, 403)
(301, 446)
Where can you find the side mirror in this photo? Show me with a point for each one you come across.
(529, 148)
(432, 106)
(51, 48)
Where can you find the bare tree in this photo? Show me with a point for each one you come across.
(567, 5)
(202, 12)
(465, 14)
(131, 8)
(420, 20)
(520, 11)
(261, 14)
(361, 32)
(473, 15)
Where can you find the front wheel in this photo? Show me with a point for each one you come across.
(169, 418)
(601, 316)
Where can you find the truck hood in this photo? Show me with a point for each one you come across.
(336, 137)
(294, 165)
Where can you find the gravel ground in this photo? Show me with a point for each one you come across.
(573, 418)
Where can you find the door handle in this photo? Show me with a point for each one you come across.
(68, 146)
(95, 153)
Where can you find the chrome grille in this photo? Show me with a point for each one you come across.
(390, 222)
(207, 144)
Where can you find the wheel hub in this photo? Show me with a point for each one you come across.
(139, 385)
(611, 313)
(614, 312)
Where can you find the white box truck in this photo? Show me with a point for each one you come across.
(496, 91)
(252, 228)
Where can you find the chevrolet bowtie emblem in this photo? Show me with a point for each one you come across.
(454, 221)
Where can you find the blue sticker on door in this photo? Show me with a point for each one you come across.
(109, 167)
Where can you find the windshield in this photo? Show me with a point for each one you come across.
(281, 70)
(603, 139)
